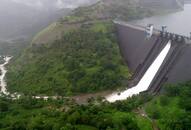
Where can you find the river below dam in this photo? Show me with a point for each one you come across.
(179, 22)
(3, 72)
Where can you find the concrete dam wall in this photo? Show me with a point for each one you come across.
(139, 52)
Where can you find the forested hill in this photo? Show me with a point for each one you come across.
(80, 54)
(77, 54)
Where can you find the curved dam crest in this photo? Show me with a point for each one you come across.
(141, 53)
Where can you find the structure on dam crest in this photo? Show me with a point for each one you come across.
(139, 52)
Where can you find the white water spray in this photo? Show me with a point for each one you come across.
(146, 80)
(3, 70)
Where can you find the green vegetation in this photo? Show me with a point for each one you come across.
(63, 114)
(121, 9)
(84, 60)
(48, 29)
(101, 11)
(168, 111)
(172, 110)
(77, 54)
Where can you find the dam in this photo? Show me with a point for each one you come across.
(139, 53)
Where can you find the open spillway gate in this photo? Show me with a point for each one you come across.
(139, 52)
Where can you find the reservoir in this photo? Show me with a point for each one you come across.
(178, 22)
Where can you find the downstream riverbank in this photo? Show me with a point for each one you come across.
(80, 99)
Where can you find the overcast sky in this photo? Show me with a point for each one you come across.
(18, 17)
(55, 3)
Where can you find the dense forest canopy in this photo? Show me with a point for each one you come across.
(169, 111)
(84, 60)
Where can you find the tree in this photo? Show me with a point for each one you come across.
(4, 106)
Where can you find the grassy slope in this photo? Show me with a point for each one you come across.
(84, 58)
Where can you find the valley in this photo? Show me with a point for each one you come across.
(71, 76)
(84, 58)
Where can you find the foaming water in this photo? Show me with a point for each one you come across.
(3, 70)
(145, 81)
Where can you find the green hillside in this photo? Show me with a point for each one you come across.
(77, 54)
(86, 59)
(80, 54)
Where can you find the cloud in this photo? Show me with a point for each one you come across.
(64, 4)
(53, 3)
(32, 3)
(73, 3)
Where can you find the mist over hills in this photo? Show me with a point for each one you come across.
(53, 4)
(23, 18)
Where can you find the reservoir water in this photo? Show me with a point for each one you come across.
(178, 22)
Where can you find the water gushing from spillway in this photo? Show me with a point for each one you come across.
(146, 80)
